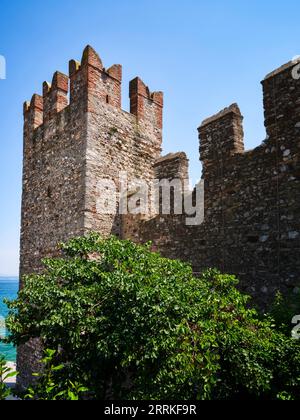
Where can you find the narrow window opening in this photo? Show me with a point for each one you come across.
(49, 192)
(253, 239)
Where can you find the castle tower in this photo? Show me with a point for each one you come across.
(69, 146)
(76, 136)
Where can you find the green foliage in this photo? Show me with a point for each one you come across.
(50, 384)
(284, 309)
(130, 324)
(5, 373)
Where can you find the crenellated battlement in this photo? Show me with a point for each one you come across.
(221, 136)
(172, 166)
(33, 112)
(281, 91)
(55, 96)
(145, 104)
(88, 84)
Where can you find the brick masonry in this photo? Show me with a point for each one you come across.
(77, 133)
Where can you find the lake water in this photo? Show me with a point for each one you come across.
(8, 289)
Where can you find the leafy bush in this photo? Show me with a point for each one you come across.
(49, 385)
(5, 373)
(129, 324)
(284, 309)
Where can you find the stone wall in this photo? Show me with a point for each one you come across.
(252, 198)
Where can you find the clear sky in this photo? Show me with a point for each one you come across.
(204, 55)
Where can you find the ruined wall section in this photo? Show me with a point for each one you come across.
(252, 198)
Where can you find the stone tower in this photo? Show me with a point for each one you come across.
(71, 143)
(75, 134)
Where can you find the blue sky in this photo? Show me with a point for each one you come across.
(204, 55)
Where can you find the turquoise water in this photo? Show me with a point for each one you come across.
(8, 289)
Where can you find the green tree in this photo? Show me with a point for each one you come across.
(127, 323)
